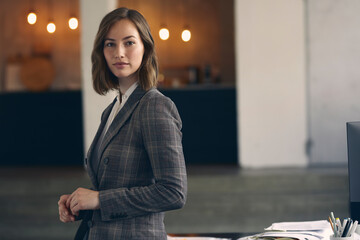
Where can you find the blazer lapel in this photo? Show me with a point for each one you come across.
(104, 118)
(121, 118)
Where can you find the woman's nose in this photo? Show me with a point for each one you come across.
(119, 52)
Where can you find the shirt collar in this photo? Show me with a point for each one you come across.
(128, 92)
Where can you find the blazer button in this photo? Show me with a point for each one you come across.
(106, 161)
(90, 223)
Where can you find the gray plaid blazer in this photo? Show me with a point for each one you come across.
(142, 169)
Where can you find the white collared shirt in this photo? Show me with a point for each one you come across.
(119, 105)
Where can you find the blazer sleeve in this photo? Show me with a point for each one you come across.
(161, 132)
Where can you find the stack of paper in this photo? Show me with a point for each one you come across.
(312, 230)
(195, 238)
(300, 226)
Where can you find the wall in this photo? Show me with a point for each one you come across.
(334, 86)
(270, 57)
(211, 25)
(92, 11)
(19, 39)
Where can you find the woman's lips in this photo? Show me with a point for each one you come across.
(120, 65)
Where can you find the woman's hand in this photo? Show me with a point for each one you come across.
(83, 199)
(64, 212)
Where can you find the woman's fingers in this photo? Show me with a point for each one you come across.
(65, 216)
(74, 208)
(63, 198)
(73, 201)
(68, 200)
(66, 219)
(61, 204)
(64, 213)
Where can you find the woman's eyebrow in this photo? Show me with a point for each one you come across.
(127, 37)
(131, 36)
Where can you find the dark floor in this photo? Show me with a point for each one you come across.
(220, 199)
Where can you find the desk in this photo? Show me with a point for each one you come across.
(41, 128)
(209, 123)
(232, 236)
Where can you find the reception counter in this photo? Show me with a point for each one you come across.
(47, 128)
(41, 128)
(209, 123)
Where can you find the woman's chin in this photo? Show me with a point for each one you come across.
(125, 75)
(122, 75)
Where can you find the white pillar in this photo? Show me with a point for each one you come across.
(271, 83)
(91, 12)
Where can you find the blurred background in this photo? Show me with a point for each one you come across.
(264, 90)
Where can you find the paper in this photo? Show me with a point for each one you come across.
(300, 226)
(310, 230)
(292, 235)
(195, 238)
(296, 235)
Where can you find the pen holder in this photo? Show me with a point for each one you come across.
(358, 230)
(332, 237)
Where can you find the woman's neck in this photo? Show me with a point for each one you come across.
(126, 83)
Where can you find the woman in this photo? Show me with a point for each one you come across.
(136, 162)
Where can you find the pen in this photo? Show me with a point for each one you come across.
(345, 221)
(339, 228)
(346, 229)
(331, 224)
(332, 217)
(353, 229)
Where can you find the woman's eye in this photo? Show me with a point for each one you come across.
(109, 44)
(129, 43)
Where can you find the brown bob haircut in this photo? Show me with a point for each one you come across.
(103, 79)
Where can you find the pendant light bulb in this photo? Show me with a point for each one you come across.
(31, 17)
(186, 35)
(164, 34)
(51, 27)
(73, 23)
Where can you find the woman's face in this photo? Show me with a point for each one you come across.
(123, 49)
